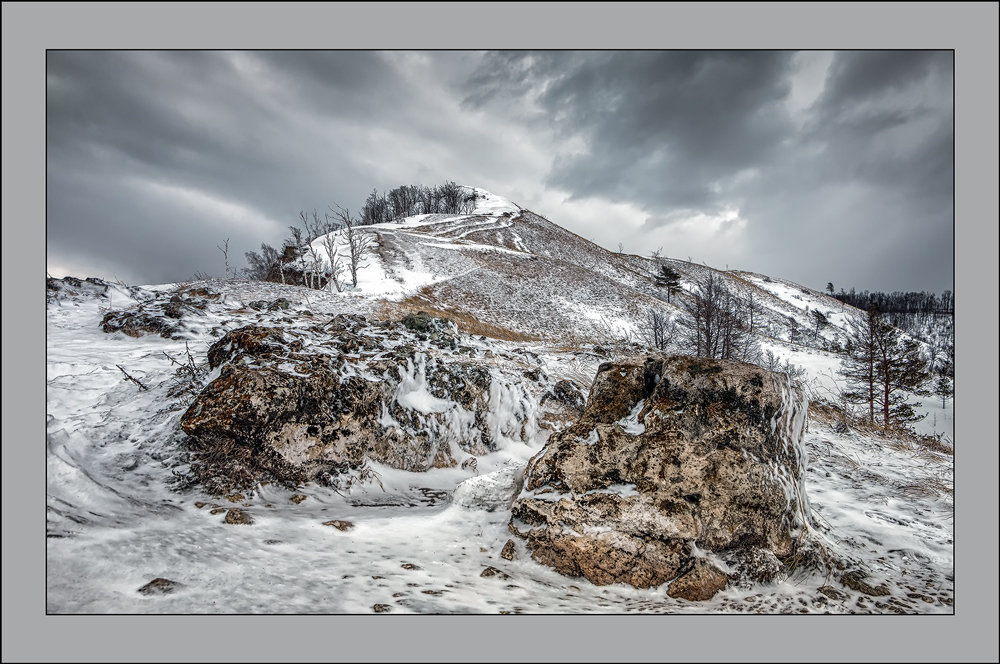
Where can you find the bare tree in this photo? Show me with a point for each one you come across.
(359, 243)
(772, 362)
(225, 254)
(660, 329)
(262, 265)
(295, 249)
(719, 317)
(315, 229)
(336, 264)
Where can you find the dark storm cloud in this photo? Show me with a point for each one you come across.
(865, 167)
(157, 151)
(231, 129)
(661, 128)
(870, 172)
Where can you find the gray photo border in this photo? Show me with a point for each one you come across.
(29, 29)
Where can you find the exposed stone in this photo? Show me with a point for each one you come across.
(249, 341)
(698, 581)
(754, 565)
(161, 314)
(425, 322)
(160, 586)
(832, 592)
(409, 566)
(855, 580)
(280, 304)
(238, 517)
(493, 571)
(508, 551)
(137, 324)
(567, 394)
(298, 498)
(339, 525)
(381, 608)
(670, 452)
(91, 287)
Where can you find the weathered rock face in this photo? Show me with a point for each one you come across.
(296, 404)
(669, 454)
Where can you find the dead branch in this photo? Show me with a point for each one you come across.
(134, 380)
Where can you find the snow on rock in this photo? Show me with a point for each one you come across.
(293, 406)
(688, 451)
(491, 491)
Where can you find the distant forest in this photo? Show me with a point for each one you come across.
(899, 302)
(926, 316)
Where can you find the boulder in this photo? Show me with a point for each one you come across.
(672, 457)
(238, 517)
(299, 404)
(698, 581)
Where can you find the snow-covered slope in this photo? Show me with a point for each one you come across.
(117, 516)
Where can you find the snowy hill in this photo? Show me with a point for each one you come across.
(528, 299)
(510, 268)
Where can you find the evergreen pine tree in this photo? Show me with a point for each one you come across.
(944, 388)
(670, 279)
(883, 367)
(858, 366)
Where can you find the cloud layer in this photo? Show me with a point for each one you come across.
(812, 166)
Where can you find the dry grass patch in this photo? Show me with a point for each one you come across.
(467, 323)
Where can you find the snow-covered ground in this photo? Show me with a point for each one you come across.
(115, 523)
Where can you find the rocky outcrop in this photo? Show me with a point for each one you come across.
(159, 314)
(672, 458)
(303, 403)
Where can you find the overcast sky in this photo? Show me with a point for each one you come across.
(812, 166)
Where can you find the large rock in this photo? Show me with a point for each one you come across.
(299, 404)
(671, 458)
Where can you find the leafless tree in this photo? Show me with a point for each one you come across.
(263, 264)
(359, 243)
(660, 329)
(315, 229)
(225, 254)
(336, 264)
(720, 327)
